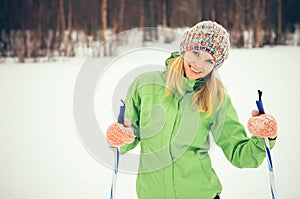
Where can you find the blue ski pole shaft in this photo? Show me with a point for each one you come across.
(268, 152)
(117, 155)
(114, 180)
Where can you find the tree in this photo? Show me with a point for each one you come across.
(259, 18)
(279, 21)
(104, 24)
(237, 26)
(142, 14)
(25, 33)
(121, 16)
(212, 10)
(164, 12)
(63, 26)
(62, 15)
(70, 17)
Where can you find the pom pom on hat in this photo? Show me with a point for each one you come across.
(210, 37)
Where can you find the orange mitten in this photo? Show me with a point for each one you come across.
(264, 126)
(118, 135)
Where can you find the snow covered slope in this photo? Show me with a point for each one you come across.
(42, 155)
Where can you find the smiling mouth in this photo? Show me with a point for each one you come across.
(194, 70)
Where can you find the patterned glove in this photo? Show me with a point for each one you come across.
(118, 134)
(263, 125)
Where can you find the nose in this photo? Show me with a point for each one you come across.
(198, 64)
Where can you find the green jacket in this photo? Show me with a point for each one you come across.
(174, 140)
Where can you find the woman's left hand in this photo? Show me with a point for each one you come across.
(263, 125)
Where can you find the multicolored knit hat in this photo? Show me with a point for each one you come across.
(210, 37)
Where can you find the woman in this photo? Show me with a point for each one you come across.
(171, 114)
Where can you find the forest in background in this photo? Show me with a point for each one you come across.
(45, 28)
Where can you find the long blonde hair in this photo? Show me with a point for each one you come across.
(208, 98)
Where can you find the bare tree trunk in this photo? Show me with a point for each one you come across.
(113, 40)
(237, 26)
(248, 33)
(142, 14)
(142, 18)
(153, 10)
(70, 17)
(38, 40)
(164, 13)
(70, 43)
(121, 16)
(230, 14)
(262, 21)
(213, 10)
(256, 26)
(248, 12)
(199, 13)
(20, 46)
(279, 21)
(63, 25)
(48, 44)
(104, 24)
(224, 13)
(269, 23)
(62, 15)
(28, 42)
(57, 35)
(259, 16)
(168, 12)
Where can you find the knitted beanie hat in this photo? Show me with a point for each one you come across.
(210, 37)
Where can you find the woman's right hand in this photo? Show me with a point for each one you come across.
(120, 134)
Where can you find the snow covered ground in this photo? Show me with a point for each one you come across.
(43, 156)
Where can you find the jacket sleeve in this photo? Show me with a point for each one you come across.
(230, 135)
(132, 113)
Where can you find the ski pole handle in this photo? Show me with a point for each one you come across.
(259, 103)
(121, 113)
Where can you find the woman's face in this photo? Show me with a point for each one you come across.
(198, 64)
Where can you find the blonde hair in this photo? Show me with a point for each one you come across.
(208, 98)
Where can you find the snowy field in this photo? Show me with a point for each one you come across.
(43, 156)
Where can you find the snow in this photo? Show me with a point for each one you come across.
(44, 155)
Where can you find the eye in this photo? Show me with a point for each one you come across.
(196, 53)
(210, 61)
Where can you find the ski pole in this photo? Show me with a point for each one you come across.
(267, 147)
(117, 155)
